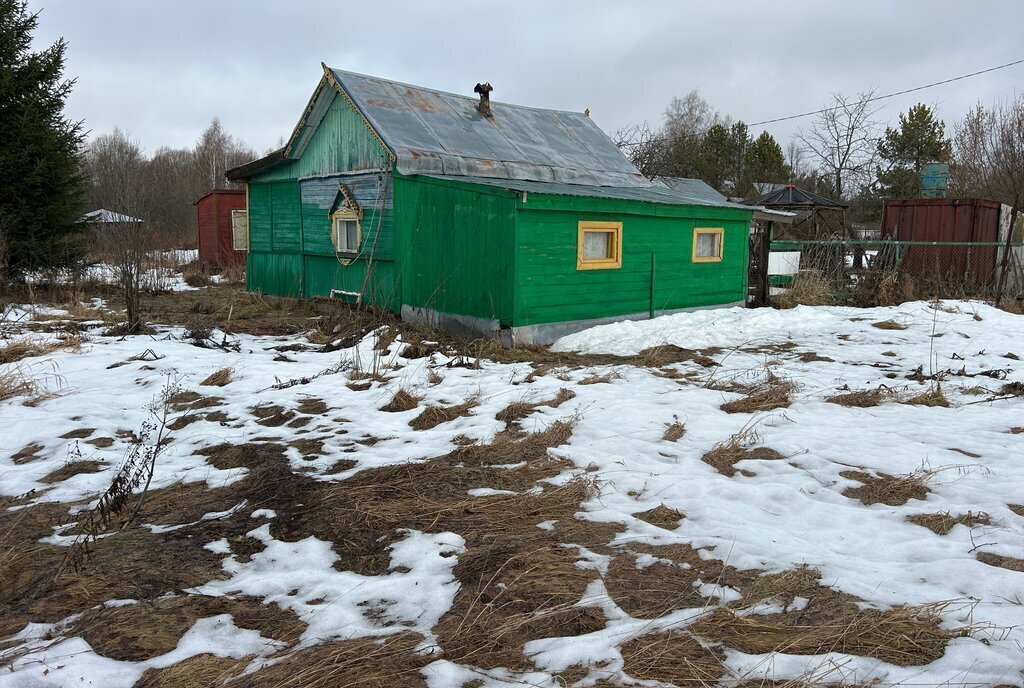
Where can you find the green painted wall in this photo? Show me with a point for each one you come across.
(549, 288)
(341, 143)
(456, 246)
(289, 225)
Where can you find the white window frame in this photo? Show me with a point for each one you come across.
(336, 235)
(239, 230)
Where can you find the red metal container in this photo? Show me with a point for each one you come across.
(213, 219)
(945, 220)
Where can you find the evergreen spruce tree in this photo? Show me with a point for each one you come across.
(41, 180)
(919, 140)
(766, 162)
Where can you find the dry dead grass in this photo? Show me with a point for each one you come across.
(600, 379)
(860, 399)
(19, 349)
(809, 288)
(312, 406)
(724, 456)
(201, 671)
(432, 416)
(218, 378)
(136, 632)
(19, 380)
(942, 523)
(933, 397)
(1001, 561)
(894, 490)
(391, 662)
(71, 469)
(674, 657)
(662, 516)
(518, 410)
(1016, 508)
(774, 394)
(30, 452)
(890, 325)
(674, 431)
(833, 622)
(403, 400)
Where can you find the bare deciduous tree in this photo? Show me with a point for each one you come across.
(843, 141)
(120, 174)
(644, 147)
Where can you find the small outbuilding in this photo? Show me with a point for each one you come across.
(816, 216)
(221, 227)
(480, 217)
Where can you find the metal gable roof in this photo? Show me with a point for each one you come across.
(432, 132)
(791, 196)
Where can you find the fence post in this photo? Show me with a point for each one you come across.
(651, 313)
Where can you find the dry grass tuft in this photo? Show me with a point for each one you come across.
(312, 406)
(19, 349)
(674, 431)
(859, 399)
(812, 356)
(30, 452)
(740, 447)
(432, 416)
(218, 378)
(890, 325)
(200, 671)
(809, 288)
(942, 523)
(18, 380)
(596, 379)
(1016, 508)
(933, 397)
(1017, 430)
(363, 663)
(894, 490)
(71, 469)
(774, 394)
(1001, 561)
(833, 622)
(518, 410)
(674, 657)
(401, 401)
(662, 516)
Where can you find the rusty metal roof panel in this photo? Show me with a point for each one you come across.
(432, 132)
(654, 192)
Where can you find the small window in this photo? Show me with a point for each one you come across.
(707, 245)
(599, 246)
(345, 233)
(239, 230)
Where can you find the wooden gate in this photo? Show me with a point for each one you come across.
(757, 270)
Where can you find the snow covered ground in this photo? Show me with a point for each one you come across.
(768, 515)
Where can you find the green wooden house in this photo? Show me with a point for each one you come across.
(480, 217)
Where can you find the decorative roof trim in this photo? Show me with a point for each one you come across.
(331, 79)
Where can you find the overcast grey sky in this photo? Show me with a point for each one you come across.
(161, 70)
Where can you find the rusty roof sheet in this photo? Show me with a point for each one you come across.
(655, 192)
(432, 132)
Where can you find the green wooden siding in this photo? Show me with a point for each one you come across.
(549, 288)
(279, 274)
(456, 247)
(322, 274)
(286, 218)
(341, 143)
(372, 192)
(260, 218)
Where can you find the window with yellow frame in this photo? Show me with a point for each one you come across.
(599, 246)
(707, 244)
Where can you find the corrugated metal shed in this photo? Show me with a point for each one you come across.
(654, 193)
(432, 132)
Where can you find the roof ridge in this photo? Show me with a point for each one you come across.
(453, 94)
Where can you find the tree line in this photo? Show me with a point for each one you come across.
(159, 188)
(844, 153)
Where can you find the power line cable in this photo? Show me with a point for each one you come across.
(869, 100)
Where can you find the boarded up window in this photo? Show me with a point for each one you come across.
(240, 230)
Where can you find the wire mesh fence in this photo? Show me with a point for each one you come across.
(879, 272)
